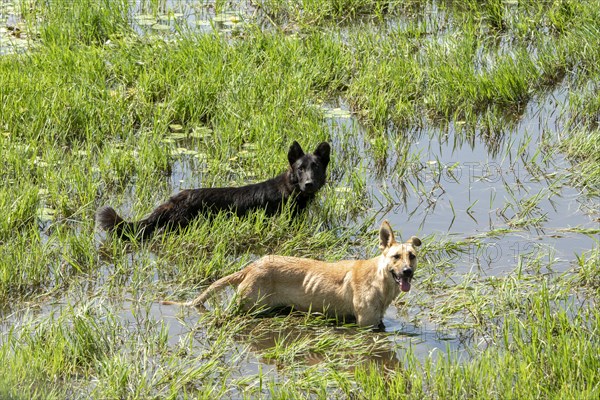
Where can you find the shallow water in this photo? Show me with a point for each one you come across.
(14, 34)
(461, 188)
(205, 16)
(458, 187)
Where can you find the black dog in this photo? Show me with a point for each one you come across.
(299, 184)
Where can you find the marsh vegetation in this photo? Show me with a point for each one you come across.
(472, 124)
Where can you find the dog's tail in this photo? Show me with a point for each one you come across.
(108, 219)
(229, 280)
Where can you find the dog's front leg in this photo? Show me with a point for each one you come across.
(368, 320)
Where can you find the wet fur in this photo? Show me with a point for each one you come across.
(298, 185)
(362, 289)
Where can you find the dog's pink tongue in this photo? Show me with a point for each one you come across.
(405, 285)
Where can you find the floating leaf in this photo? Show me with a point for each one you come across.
(200, 23)
(201, 132)
(226, 17)
(177, 136)
(146, 22)
(161, 27)
(176, 128)
(183, 151)
(46, 214)
(231, 22)
(337, 113)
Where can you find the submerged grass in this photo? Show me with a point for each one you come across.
(98, 114)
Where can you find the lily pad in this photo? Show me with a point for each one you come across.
(161, 27)
(46, 214)
(201, 132)
(146, 22)
(232, 18)
(176, 128)
(337, 113)
(183, 151)
(203, 23)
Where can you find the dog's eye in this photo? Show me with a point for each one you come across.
(396, 256)
(412, 256)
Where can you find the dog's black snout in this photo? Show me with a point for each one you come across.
(407, 272)
(309, 186)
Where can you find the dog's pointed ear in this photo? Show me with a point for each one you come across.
(386, 236)
(295, 153)
(322, 151)
(415, 241)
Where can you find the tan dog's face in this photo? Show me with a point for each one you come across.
(399, 259)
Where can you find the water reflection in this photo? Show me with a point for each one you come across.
(287, 341)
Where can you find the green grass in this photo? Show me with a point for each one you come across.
(583, 147)
(90, 117)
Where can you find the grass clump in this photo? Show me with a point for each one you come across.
(88, 22)
(583, 147)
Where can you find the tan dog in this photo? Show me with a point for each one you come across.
(360, 288)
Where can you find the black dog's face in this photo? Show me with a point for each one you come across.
(309, 170)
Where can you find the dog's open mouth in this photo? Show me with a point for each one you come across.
(402, 281)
